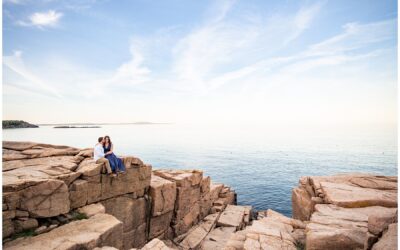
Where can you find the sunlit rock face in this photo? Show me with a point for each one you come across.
(47, 189)
(345, 211)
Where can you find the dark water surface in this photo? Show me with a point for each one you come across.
(261, 165)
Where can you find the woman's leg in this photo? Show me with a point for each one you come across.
(121, 166)
(112, 163)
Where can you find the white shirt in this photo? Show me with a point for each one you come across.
(98, 152)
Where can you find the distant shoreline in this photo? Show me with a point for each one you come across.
(94, 124)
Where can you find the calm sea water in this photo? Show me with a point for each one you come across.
(262, 165)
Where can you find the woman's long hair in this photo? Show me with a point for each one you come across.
(109, 140)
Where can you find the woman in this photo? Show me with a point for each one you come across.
(116, 163)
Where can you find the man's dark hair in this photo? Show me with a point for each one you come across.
(100, 139)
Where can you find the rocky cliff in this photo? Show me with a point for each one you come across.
(57, 197)
(60, 196)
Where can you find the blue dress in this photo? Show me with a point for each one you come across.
(116, 163)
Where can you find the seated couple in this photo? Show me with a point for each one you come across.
(103, 153)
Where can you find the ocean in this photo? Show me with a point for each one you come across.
(262, 165)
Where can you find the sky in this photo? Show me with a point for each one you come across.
(205, 62)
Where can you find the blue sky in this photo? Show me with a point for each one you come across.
(303, 62)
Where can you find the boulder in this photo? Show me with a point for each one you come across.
(182, 178)
(215, 189)
(8, 228)
(217, 238)
(45, 199)
(268, 233)
(11, 200)
(333, 227)
(163, 194)
(345, 195)
(289, 221)
(184, 221)
(97, 231)
(185, 199)
(379, 222)
(156, 244)
(388, 240)
(19, 213)
(86, 152)
(25, 224)
(136, 237)
(232, 216)
(187, 202)
(131, 211)
(10, 214)
(92, 209)
(302, 205)
(159, 225)
(89, 167)
(272, 228)
(198, 233)
(78, 193)
(132, 161)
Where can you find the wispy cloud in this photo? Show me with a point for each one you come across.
(30, 80)
(201, 55)
(133, 71)
(346, 47)
(42, 19)
(355, 36)
(303, 20)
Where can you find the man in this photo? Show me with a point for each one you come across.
(98, 155)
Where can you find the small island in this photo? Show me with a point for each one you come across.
(77, 126)
(17, 124)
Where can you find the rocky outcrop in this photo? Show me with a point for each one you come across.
(345, 211)
(48, 188)
(59, 198)
(330, 212)
(194, 199)
(389, 238)
(99, 230)
(360, 190)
